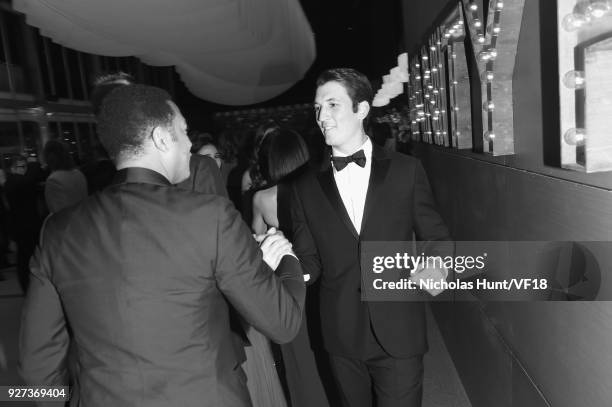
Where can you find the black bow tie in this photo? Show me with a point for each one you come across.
(358, 158)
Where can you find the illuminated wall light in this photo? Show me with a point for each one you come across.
(418, 78)
(573, 22)
(488, 106)
(597, 8)
(499, 5)
(477, 23)
(487, 76)
(447, 35)
(425, 57)
(484, 55)
(456, 108)
(434, 69)
(417, 65)
(435, 91)
(481, 39)
(575, 136)
(574, 80)
(492, 53)
(460, 22)
(496, 29)
(453, 55)
(473, 6)
(489, 136)
(432, 48)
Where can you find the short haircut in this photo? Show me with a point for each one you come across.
(104, 84)
(356, 84)
(129, 114)
(280, 153)
(57, 156)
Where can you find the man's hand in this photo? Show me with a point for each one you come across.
(274, 246)
(433, 274)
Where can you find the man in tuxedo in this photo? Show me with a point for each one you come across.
(363, 193)
(138, 276)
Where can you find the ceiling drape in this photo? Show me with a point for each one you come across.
(234, 52)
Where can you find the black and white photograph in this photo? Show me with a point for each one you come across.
(305, 203)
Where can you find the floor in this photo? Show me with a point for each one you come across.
(442, 387)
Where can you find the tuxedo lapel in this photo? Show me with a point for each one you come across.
(380, 166)
(330, 189)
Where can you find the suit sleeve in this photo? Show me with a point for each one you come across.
(43, 339)
(431, 231)
(303, 243)
(272, 303)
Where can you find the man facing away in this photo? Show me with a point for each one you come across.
(364, 193)
(139, 275)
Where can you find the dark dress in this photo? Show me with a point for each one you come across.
(306, 365)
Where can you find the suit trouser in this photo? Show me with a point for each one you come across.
(394, 382)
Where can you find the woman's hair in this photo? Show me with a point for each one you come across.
(57, 156)
(279, 153)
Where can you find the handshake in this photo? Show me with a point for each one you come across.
(274, 245)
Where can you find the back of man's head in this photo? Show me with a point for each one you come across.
(104, 84)
(127, 117)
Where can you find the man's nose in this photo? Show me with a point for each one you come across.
(321, 115)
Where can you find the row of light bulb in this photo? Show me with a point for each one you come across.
(586, 12)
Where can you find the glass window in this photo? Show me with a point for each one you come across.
(53, 130)
(31, 138)
(75, 74)
(9, 135)
(59, 74)
(4, 83)
(84, 137)
(15, 32)
(89, 69)
(69, 138)
(43, 63)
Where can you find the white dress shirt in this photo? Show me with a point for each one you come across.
(353, 183)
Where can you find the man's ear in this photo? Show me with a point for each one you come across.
(161, 138)
(363, 108)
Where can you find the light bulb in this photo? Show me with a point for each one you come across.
(575, 136)
(484, 55)
(572, 22)
(488, 106)
(574, 80)
(499, 5)
(597, 8)
(473, 6)
(425, 57)
(432, 48)
(477, 23)
(417, 65)
(481, 39)
(492, 53)
(487, 76)
(447, 35)
(489, 136)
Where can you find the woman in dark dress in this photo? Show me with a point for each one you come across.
(280, 156)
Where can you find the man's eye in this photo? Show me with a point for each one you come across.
(333, 104)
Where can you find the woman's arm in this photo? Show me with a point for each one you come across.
(258, 224)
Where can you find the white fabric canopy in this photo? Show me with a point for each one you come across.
(234, 52)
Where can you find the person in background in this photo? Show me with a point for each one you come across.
(280, 157)
(65, 185)
(24, 217)
(206, 147)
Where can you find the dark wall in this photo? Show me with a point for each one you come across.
(526, 354)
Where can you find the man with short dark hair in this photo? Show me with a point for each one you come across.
(142, 272)
(363, 193)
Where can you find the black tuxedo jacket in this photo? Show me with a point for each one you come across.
(140, 273)
(398, 203)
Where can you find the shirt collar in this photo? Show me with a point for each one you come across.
(139, 175)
